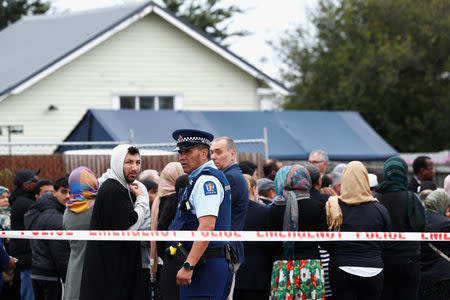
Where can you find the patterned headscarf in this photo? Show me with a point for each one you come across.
(5, 213)
(447, 184)
(3, 189)
(297, 186)
(83, 186)
(280, 182)
(354, 191)
(438, 201)
(395, 174)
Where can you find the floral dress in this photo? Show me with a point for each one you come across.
(297, 279)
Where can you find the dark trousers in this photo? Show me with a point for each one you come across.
(11, 291)
(435, 291)
(47, 290)
(167, 288)
(147, 291)
(401, 281)
(250, 294)
(346, 286)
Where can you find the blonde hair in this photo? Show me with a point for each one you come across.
(251, 182)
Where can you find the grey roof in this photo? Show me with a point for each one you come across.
(35, 43)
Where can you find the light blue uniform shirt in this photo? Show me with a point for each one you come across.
(207, 194)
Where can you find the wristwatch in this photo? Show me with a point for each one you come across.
(187, 266)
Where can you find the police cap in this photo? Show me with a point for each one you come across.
(188, 138)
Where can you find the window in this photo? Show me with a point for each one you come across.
(147, 102)
(166, 103)
(127, 102)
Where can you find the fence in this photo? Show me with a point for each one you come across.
(56, 165)
(101, 147)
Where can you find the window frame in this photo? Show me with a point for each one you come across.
(177, 100)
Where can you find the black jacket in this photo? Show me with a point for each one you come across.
(50, 257)
(239, 203)
(368, 216)
(167, 210)
(21, 201)
(316, 195)
(312, 217)
(399, 252)
(255, 272)
(112, 270)
(433, 266)
(413, 185)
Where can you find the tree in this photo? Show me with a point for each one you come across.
(206, 16)
(387, 59)
(12, 10)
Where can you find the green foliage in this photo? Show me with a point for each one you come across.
(207, 16)
(7, 178)
(12, 10)
(387, 59)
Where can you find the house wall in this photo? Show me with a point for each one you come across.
(149, 57)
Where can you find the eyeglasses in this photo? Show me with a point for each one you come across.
(315, 162)
(31, 180)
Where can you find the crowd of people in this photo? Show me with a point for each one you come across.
(207, 189)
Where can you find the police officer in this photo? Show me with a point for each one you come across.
(204, 204)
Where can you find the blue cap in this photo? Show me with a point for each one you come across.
(188, 138)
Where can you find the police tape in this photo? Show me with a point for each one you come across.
(246, 236)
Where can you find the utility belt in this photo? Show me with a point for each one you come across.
(214, 253)
(180, 254)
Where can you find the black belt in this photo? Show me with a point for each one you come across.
(214, 253)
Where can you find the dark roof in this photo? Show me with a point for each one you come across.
(35, 44)
(292, 135)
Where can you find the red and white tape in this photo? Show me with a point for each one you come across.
(254, 236)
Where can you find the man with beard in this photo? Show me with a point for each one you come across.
(21, 199)
(112, 270)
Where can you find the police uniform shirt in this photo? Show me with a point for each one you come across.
(207, 194)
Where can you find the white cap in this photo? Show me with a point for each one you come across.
(373, 180)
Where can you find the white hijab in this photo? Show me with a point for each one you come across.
(116, 172)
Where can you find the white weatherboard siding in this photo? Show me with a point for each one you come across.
(149, 57)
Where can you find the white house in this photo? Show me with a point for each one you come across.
(140, 56)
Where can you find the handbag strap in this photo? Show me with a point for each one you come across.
(439, 252)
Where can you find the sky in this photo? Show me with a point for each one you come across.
(265, 19)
